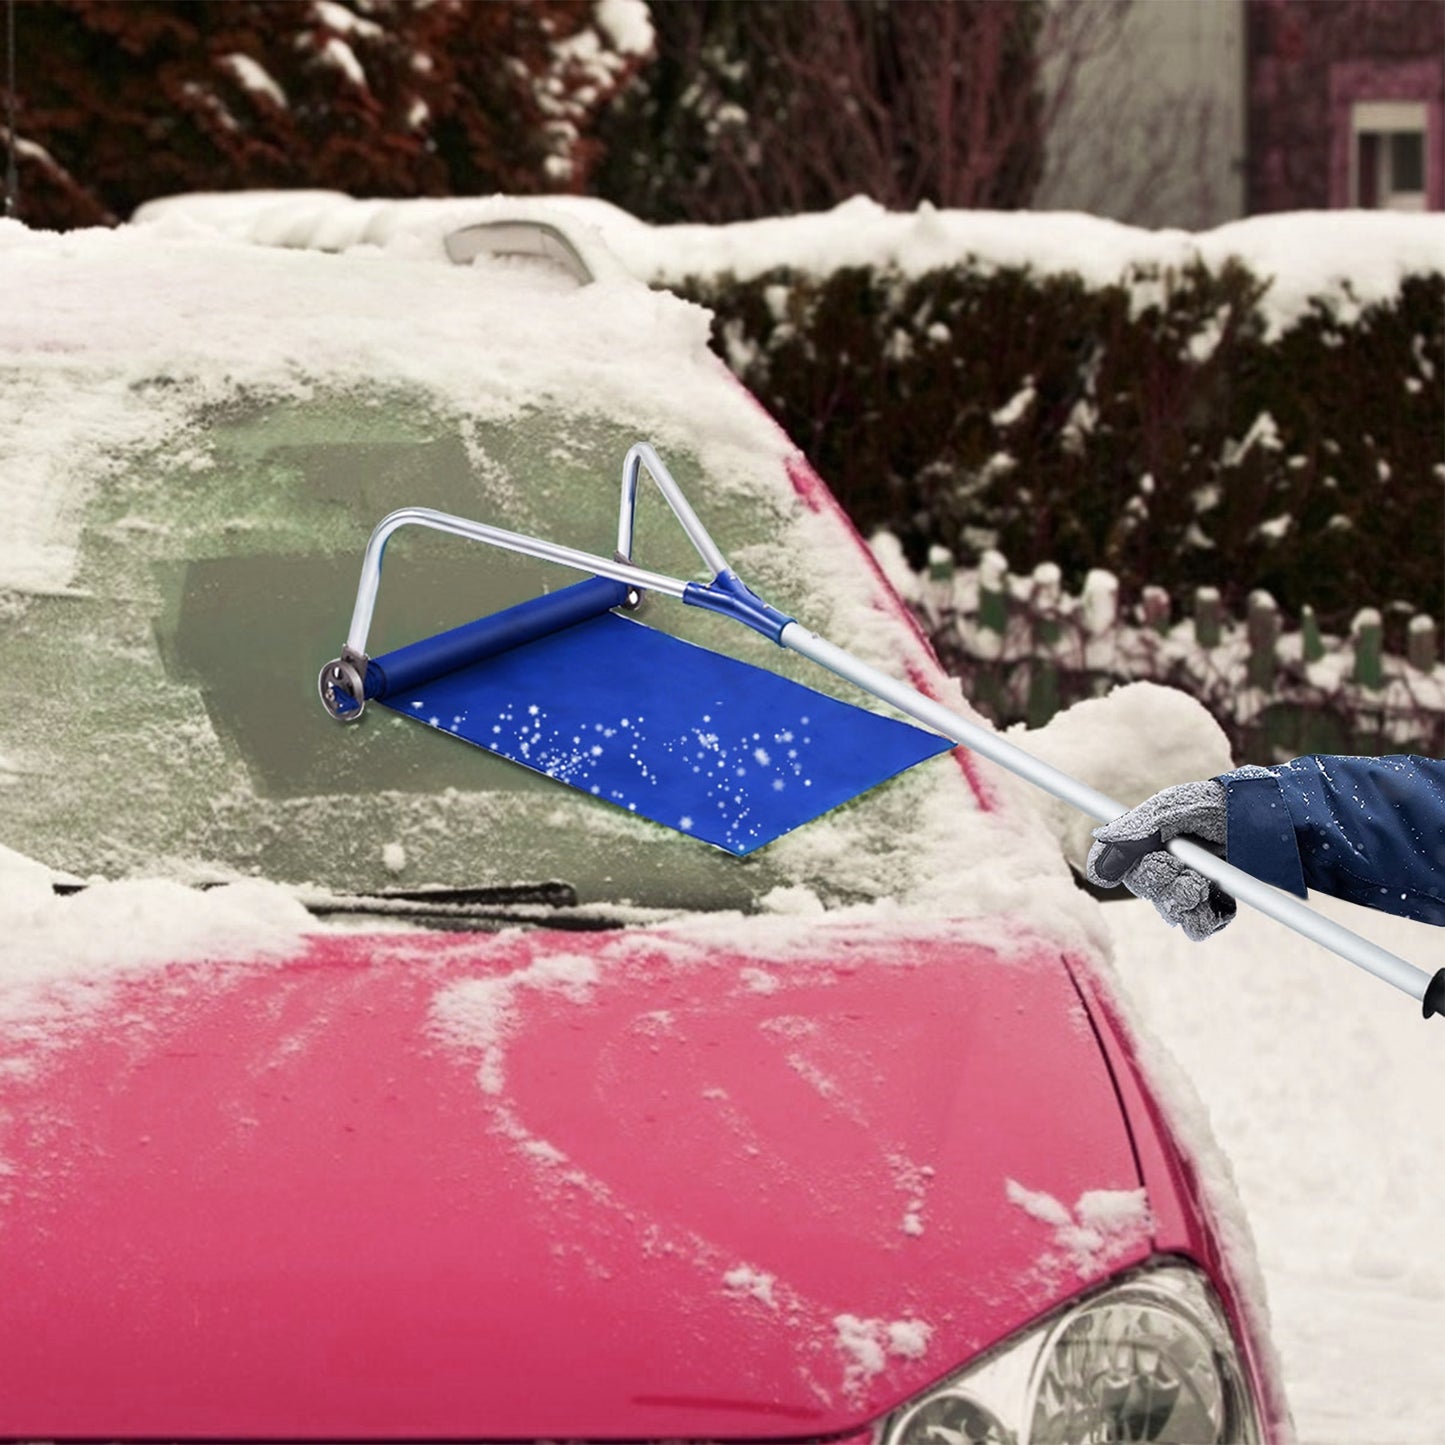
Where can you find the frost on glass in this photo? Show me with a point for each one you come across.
(166, 715)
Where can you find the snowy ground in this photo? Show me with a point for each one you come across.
(1327, 1091)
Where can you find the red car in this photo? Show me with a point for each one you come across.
(540, 1121)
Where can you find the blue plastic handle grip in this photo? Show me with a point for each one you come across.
(411, 666)
(729, 594)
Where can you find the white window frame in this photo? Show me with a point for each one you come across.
(1385, 118)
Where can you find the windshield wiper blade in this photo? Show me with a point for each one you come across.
(551, 904)
(550, 894)
(546, 905)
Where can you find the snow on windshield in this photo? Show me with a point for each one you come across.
(197, 436)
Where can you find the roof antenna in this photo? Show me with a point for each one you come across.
(12, 176)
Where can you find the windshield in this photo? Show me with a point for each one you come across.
(164, 713)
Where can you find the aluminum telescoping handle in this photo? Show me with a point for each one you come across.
(1244, 886)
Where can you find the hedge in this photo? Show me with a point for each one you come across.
(1170, 440)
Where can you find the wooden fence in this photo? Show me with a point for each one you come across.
(1023, 649)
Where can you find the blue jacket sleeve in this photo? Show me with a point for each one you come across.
(1370, 830)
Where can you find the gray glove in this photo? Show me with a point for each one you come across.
(1131, 850)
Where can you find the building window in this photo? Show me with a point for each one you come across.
(1388, 163)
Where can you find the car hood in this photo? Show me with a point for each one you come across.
(727, 1182)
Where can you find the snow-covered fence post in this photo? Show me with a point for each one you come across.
(1367, 631)
(1263, 631)
(1045, 598)
(1099, 620)
(993, 593)
(1100, 602)
(1422, 644)
(937, 599)
(988, 637)
(1208, 617)
(1312, 645)
(1157, 609)
(1044, 602)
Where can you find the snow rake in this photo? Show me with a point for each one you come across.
(566, 684)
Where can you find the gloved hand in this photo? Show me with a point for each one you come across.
(1131, 850)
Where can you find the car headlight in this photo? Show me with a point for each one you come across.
(1149, 1358)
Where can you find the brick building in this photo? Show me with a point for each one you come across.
(1202, 111)
(1345, 104)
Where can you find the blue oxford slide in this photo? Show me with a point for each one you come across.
(713, 747)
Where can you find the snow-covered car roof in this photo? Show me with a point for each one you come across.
(198, 434)
(1346, 259)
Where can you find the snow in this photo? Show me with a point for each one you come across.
(62, 955)
(752, 1283)
(1100, 601)
(1312, 1089)
(174, 303)
(338, 18)
(992, 568)
(1309, 1093)
(1276, 527)
(587, 67)
(627, 23)
(1263, 432)
(1016, 407)
(1128, 744)
(908, 1339)
(866, 1345)
(340, 56)
(1103, 1224)
(478, 1014)
(1093, 639)
(1322, 1088)
(1038, 1205)
(1345, 259)
(759, 980)
(255, 77)
(1350, 257)
(796, 901)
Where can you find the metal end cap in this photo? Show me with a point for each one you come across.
(342, 689)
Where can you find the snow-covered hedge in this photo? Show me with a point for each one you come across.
(1262, 408)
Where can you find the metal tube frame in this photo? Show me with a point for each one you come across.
(366, 592)
(642, 455)
(619, 567)
(348, 672)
